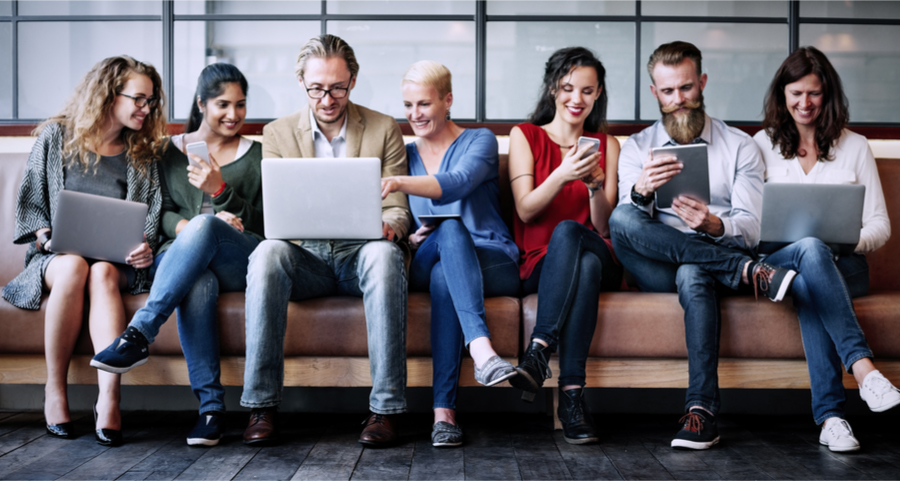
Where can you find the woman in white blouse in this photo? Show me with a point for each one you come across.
(804, 140)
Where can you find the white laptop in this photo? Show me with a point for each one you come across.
(97, 227)
(831, 213)
(322, 198)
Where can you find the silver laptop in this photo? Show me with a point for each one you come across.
(97, 227)
(831, 213)
(328, 198)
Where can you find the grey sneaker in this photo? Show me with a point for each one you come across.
(495, 370)
(444, 434)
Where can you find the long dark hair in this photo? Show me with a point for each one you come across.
(834, 114)
(558, 66)
(211, 83)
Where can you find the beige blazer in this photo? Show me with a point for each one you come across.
(369, 134)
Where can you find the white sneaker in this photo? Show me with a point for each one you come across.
(878, 392)
(838, 436)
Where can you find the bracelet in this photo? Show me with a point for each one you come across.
(216, 193)
(591, 190)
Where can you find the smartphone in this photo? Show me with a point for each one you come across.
(200, 150)
(594, 145)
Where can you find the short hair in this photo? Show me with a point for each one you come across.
(326, 46)
(833, 116)
(429, 73)
(673, 54)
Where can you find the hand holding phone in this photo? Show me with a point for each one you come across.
(592, 143)
(200, 150)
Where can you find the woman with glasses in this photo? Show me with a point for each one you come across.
(564, 197)
(463, 259)
(805, 140)
(106, 141)
(213, 219)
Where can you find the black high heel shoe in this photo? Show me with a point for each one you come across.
(106, 437)
(61, 430)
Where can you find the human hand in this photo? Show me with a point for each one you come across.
(657, 172)
(697, 216)
(573, 167)
(387, 232)
(208, 177)
(418, 237)
(140, 258)
(232, 220)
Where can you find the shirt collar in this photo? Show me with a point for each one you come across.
(318, 132)
(663, 138)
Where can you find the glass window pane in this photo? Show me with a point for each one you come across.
(6, 71)
(261, 7)
(740, 60)
(61, 7)
(264, 51)
(402, 7)
(55, 56)
(849, 9)
(562, 7)
(385, 49)
(5, 7)
(868, 61)
(716, 8)
(517, 52)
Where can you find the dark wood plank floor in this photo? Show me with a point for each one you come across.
(515, 446)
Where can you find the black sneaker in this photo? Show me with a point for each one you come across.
(699, 431)
(533, 370)
(128, 351)
(208, 430)
(773, 281)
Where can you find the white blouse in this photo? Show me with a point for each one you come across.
(853, 164)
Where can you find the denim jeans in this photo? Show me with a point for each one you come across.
(822, 293)
(664, 259)
(280, 272)
(208, 256)
(568, 280)
(459, 277)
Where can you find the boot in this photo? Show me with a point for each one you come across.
(577, 424)
(533, 370)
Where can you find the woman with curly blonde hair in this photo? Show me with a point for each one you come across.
(106, 141)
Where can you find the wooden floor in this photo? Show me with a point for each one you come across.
(520, 446)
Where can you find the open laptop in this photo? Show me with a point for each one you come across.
(831, 213)
(322, 198)
(97, 227)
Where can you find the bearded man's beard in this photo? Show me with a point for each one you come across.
(685, 127)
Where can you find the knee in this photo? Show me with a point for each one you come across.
(201, 226)
(566, 231)
(266, 259)
(810, 247)
(590, 269)
(104, 275)
(692, 276)
(206, 286)
(453, 228)
(382, 257)
(72, 268)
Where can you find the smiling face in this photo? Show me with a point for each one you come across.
(679, 91)
(225, 113)
(425, 110)
(327, 73)
(124, 113)
(804, 99)
(576, 94)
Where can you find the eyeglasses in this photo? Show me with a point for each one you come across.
(140, 102)
(336, 92)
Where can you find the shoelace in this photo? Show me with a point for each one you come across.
(840, 429)
(373, 419)
(577, 411)
(878, 386)
(256, 416)
(692, 422)
(762, 274)
(542, 363)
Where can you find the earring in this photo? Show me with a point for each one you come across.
(448, 115)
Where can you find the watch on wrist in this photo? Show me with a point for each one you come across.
(639, 199)
(591, 190)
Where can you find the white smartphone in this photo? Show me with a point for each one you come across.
(200, 150)
(594, 145)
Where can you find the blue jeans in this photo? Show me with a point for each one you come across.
(664, 259)
(822, 293)
(459, 277)
(208, 256)
(280, 272)
(568, 280)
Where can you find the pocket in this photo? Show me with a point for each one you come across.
(838, 176)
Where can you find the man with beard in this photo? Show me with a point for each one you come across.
(281, 271)
(691, 248)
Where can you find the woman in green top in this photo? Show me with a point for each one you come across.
(213, 216)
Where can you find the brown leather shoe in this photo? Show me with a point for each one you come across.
(379, 431)
(261, 428)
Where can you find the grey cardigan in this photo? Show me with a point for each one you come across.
(36, 206)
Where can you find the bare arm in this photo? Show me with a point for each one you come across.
(604, 200)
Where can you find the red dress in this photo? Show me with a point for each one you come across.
(571, 203)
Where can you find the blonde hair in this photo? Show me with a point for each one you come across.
(429, 73)
(89, 108)
(325, 46)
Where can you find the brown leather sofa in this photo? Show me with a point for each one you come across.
(639, 340)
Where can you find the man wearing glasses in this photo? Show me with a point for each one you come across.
(282, 271)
